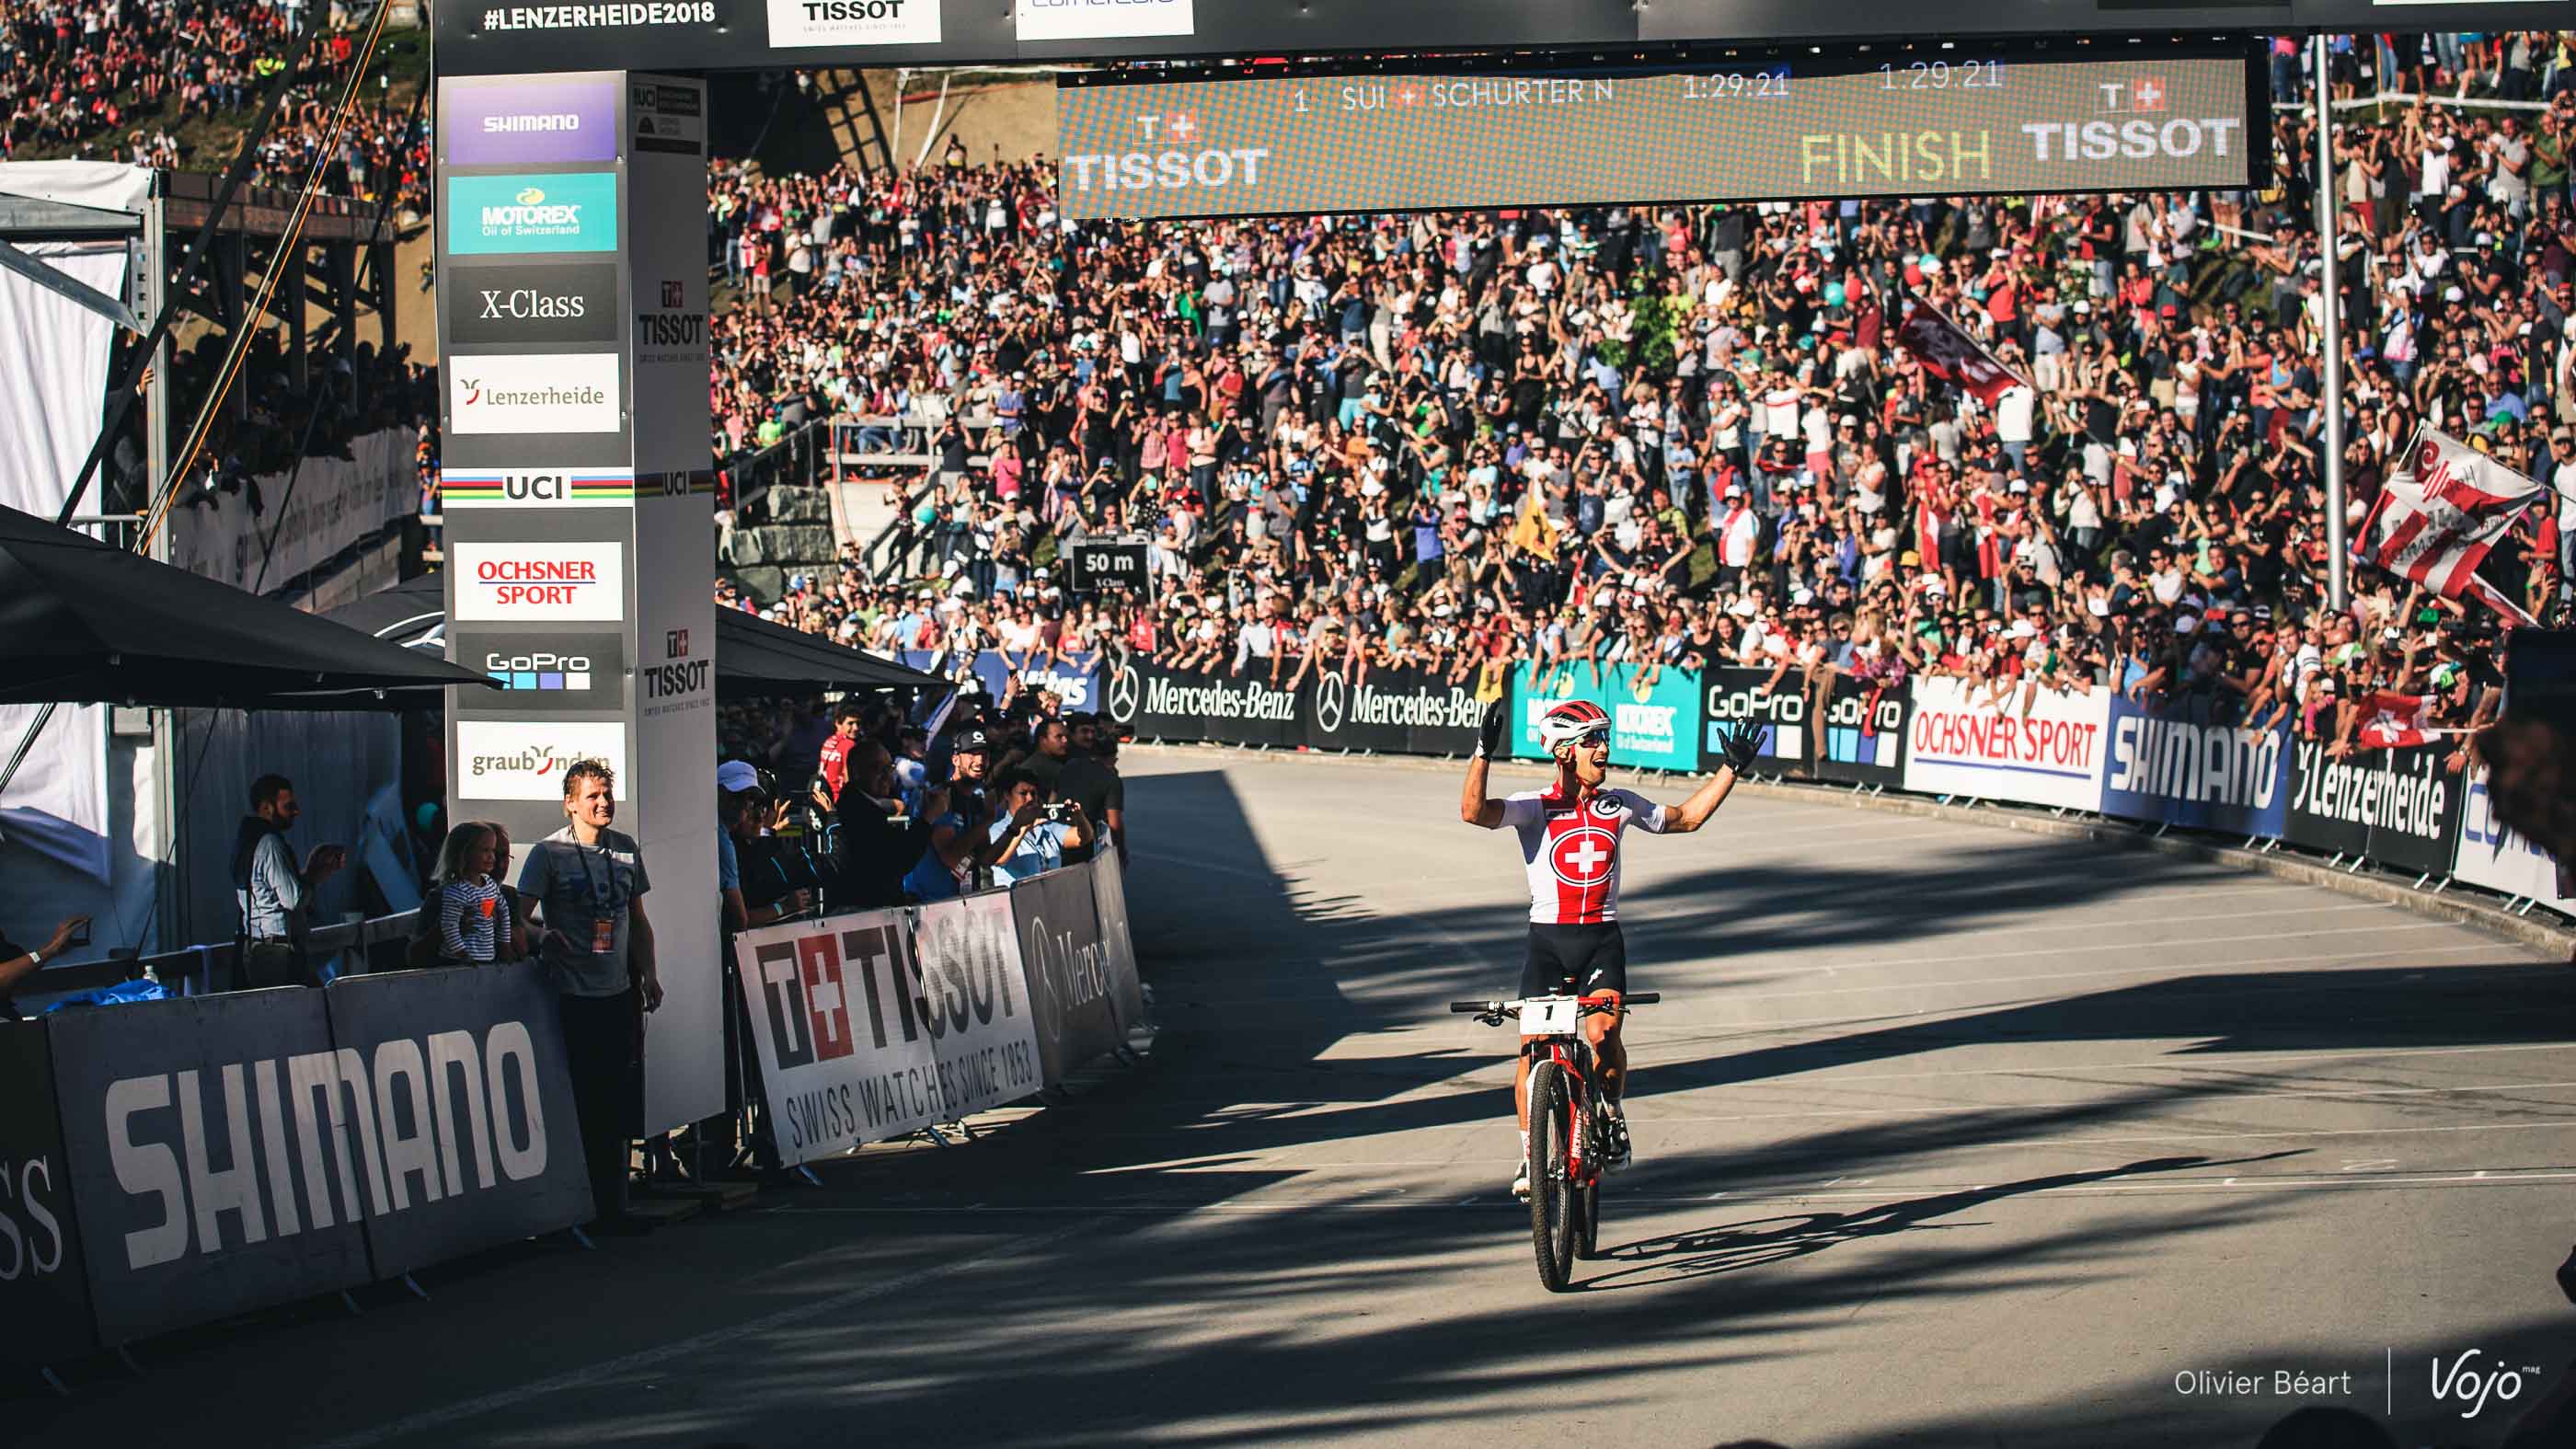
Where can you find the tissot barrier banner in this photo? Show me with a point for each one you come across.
(2502, 859)
(1731, 693)
(2398, 807)
(874, 1024)
(2186, 762)
(225, 1156)
(474, 1104)
(44, 1290)
(2039, 748)
(1864, 733)
(1655, 711)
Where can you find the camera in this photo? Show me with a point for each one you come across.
(1056, 810)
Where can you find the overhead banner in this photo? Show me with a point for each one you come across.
(44, 1290)
(1070, 990)
(1654, 711)
(1992, 745)
(2500, 858)
(1076, 683)
(226, 1156)
(268, 538)
(2183, 765)
(475, 1104)
(1732, 694)
(1864, 732)
(2398, 807)
(871, 1025)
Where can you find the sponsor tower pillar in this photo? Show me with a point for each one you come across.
(577, 493)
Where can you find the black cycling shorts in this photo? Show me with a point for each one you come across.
(1575, 960)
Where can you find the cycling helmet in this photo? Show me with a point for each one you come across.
(1569, 723)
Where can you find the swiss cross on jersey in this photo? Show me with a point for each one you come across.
(1570, 849)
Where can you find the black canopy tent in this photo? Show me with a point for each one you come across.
(84, 623)
(755, 659)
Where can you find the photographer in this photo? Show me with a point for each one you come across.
(1031, 838)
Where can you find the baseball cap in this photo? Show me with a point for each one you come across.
(971, 742)
(735, 776)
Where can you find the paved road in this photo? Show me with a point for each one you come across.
(1948, 1135)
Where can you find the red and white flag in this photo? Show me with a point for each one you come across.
(1953, 356)
(2439, 514)
(2391, 721)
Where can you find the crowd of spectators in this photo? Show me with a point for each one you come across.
(114, 79)
(1686, 435)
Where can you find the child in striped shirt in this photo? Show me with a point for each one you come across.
(473, 916)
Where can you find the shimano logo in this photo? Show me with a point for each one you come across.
(239, 1114)
(2213, 764)
(521, 125)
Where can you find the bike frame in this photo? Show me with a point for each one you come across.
(1574, 1054)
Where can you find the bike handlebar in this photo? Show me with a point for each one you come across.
(1485, 1008)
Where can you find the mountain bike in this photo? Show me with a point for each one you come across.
(1569, 1139)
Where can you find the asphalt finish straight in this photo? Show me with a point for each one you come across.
(1946, 1135)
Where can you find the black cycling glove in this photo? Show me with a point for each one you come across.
(1742, 741)
(1489, 731)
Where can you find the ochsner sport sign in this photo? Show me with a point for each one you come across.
(538, 582)
(1965, 741)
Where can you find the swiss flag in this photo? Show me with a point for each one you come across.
(2148, 92)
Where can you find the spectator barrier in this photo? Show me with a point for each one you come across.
(2175, 763)
(176, 1162)
(875, 1024)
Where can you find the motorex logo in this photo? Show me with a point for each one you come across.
(507, 215)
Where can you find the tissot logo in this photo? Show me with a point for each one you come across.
(853, 22)
(556, 302)
(675, 644)
(670, 329)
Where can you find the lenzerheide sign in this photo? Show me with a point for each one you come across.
(1775, 129)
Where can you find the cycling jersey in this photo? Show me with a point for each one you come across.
(1571, 850)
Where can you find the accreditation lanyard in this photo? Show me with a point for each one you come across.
(603, 919)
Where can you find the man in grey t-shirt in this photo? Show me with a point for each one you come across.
(586, 883)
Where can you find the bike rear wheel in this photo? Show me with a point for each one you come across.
(1551, 1161)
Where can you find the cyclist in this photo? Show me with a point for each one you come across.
(1569, 836)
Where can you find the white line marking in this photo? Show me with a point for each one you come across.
(715, 1338)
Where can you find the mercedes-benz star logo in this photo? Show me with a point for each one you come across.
(1123, 690)
(1328, 702)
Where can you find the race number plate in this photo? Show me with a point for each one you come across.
(1550, 1016)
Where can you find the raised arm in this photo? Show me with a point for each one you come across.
(1742, 743)
(1475, 805)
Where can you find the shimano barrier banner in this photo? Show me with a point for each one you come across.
(1864, 733)
(44, 1287)
(1732, 693)
(2493, 855)
(1166, 705)
(2398, 807)
(1070, 990)
(2180, 764)
(474, 1101)
(226, 1156)
(1395, 710)
(1998, 743)
(1654, 711)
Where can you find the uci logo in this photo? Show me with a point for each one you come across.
(1329, 702)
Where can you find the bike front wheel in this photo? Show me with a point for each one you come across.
(1551, 1166)
(1588, 1235)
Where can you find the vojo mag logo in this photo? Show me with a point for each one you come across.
(1125, 692)
(571, 211)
